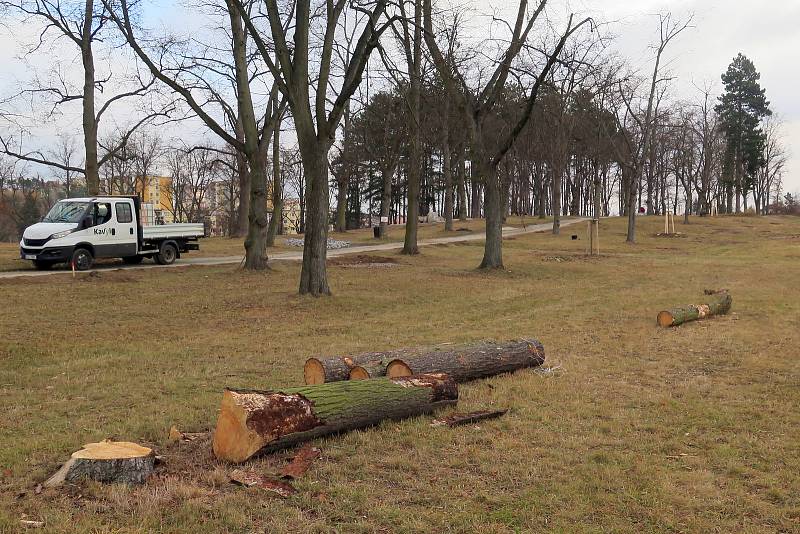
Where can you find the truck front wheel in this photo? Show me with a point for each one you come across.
(82, 259)
(167, 254)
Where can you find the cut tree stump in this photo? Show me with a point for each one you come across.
(471, 361)
(718, 304)
(107, 461)
(252, 422)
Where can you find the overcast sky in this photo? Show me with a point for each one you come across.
(764, 31)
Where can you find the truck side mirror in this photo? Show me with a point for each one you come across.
(87, 222)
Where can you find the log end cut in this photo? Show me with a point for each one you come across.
(359, 373)
(248, 420)
(314, 372)
(398, 369)
(665, 319)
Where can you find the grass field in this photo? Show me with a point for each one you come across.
(634, 429)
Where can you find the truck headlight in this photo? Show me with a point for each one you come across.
(59, 235)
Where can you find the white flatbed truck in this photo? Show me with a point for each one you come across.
(79, 230)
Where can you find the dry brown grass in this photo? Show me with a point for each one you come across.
(639, 429)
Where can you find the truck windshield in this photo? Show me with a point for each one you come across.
(66, 212)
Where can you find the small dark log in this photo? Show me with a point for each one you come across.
(107, 461)
(457, 419)
(720, 304)
(469, 362)
(252, 422)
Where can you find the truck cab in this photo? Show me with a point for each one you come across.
(79, 230)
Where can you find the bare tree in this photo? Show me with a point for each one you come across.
(187, 80)
(478, 106)
(316, 119)
(669, 29)
(82, 24)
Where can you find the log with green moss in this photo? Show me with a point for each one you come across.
(718, 304)
(253, 422)
(471, 361)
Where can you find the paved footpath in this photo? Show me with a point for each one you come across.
(296, 256)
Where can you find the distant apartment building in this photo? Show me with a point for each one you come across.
(157, 190)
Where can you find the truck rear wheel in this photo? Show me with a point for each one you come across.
(167, 254)
(82, 259)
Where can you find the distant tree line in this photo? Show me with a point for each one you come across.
(396, 110)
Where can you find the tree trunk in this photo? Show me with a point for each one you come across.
(462, 185)
(252, 422)
(471, 361)
(448, 189)
(415, 157)
(633, 208)
(243, 170)
(718, 305)
(277, 187)
(386, 200)
(89, 118)
(314, 276)
(556, 201)
(494, 211)
(255, 243)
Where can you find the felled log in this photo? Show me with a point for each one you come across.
(376, 364)
(718, 304)
(457, 419)
(472, 361)
(323, 370)
(252, 422)
(374, 369)
(107, 461)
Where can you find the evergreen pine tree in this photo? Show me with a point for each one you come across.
(741, 108)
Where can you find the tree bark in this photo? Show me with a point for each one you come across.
(386, 199)
(243, 171)
(718, 305)
(556, 179)
(471, 361)
(253, 422)
(313, 275)
(494, 211)
(89, 117)
(277, 187)
(462, 185)
(255, 243)
(410, 246)
(448, 189)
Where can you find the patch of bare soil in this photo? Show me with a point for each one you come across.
(364, 261)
